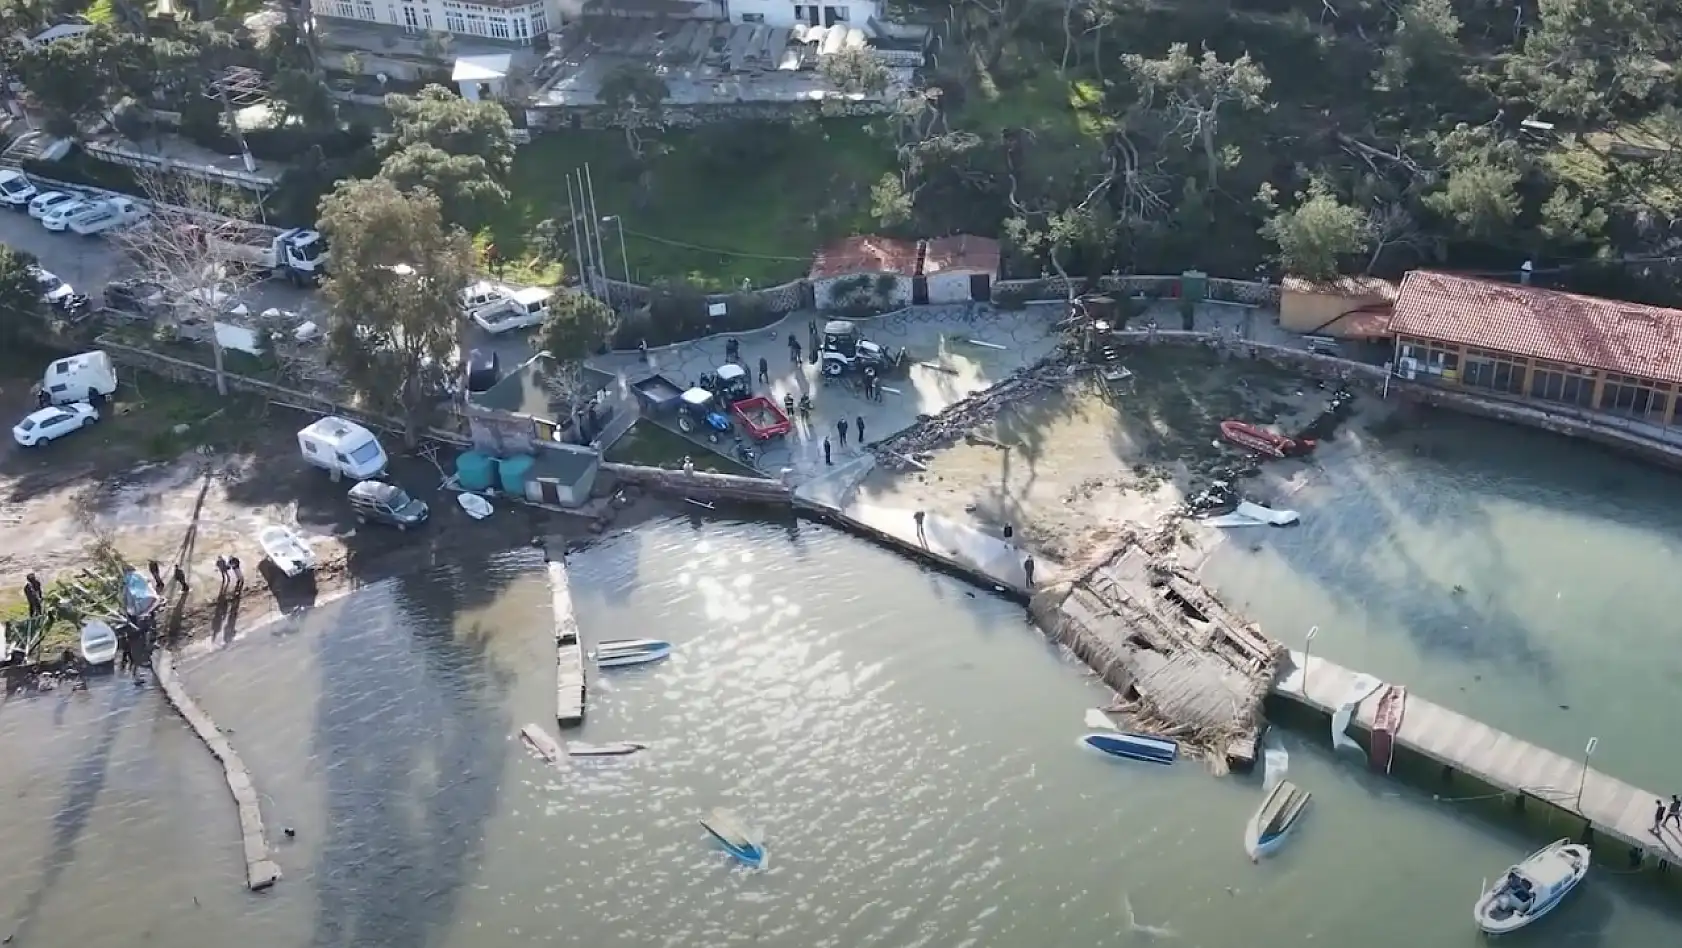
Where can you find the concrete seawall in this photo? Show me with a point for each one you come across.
(702, 485)
(260, 871)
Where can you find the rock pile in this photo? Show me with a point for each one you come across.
(934, 432)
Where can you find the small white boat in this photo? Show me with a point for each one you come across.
(1275, 819)
(610, 749)
(541, 743)
(617, 652)
(730, 832)
(99, 643)
(1533, 888)
(477, 507)
(1145, 747)
(1247, 514)
(289, 553)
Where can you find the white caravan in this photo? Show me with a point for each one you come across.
(342, 448)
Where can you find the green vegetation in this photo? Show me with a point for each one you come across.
(718, 205)
(651, 445)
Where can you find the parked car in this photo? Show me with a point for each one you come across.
(54, 292)
(16, 190)
(50, 424)
(109, 214)
(137, 297)
(523, 309)
(58, 218)
(43, 203)
(380, 502)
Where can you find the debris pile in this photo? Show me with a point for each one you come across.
(902, 451)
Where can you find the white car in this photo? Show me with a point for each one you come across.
(522, 309)
(16, 190)
(53, 290)
(111, 213)
(39, 207)
(50, 424)
(58, 218)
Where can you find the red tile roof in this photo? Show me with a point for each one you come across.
(1586, 331)
(961, 252)
(865, 255)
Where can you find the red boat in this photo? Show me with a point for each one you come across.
(1262, 441)
(1386, 723)
(761, 417)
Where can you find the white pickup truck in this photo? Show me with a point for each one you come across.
(299, 255)
(111, 213)
(523, 308)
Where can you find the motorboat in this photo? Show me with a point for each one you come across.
(1263, 441)
(610, 749)
(1386, 724)
(99, 642)
(541, 743)
(728, 830)
(1275, 819)
(1533, 888)
(1247, 514)
(286, 550)
(1145, 747)
(477, 507)
(617, 652)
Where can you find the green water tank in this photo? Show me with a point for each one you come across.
(476, 471)
(1194, 286)
(515, 471)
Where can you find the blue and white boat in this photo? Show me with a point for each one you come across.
(730, 832)
(617, 652)
(1145, 747)
(1533, 888)
(1275, 819)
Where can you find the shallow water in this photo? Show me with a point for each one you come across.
(907, 745)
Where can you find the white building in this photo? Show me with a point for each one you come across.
(881, 269)
(958, 269)
(787, 14)
(519, 22)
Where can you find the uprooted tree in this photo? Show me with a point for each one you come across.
(458, 150)
(392, 298)
(22, 312)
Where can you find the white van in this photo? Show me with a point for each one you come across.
(342, 448)
(79, 378)
(16, 191)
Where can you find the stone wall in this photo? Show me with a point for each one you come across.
(573, 117)
(779, 299)
(702, 485)
(1240, 292)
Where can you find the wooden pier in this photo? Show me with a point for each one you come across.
(1610, 808)
(569, 650)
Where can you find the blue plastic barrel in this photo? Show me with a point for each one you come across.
(515, 472)
(476, 471)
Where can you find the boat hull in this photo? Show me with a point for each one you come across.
(1275, 820)
(614, 749)
(286, 551)
(99, 643)
(615, 654)
(1387, 723)
(726, 830)
(1493, 923)
(1143, 747)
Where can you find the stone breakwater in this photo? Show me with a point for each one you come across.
(260, 870)
(933, 432)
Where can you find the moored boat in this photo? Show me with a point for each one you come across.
(1533, 888)
(476, 507)
(730, 832)
(1274, 820)
(541, 743)
(286, 550)
(1145, 747)
(610, 749)
(1263, 441)
(99, 642)
(617, 652)
(1386, 724)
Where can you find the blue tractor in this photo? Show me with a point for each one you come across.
(700, 411)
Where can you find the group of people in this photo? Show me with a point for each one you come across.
(841, 430)
(1667, 813)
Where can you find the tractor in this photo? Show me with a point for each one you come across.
(846, 350)
(699, 411)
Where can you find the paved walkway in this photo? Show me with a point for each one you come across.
(984, 557)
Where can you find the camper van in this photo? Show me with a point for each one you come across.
(342, 448)
(88, 377)
(16, 191)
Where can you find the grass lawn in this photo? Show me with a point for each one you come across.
(684, 217)
(650, 445)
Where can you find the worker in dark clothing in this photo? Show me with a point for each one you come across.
(764, 371)
(732, 350)
(826, 459)
(32, 593)
(1028, 571)
(858, 423)
(180, 577)
(642, 350)
(788, 404)
(157, 575)
(793, 349)
(841, 427)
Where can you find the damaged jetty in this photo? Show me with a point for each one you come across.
(1184, 665)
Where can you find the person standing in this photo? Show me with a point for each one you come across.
(1658, 817)
(32, 593)
(858, 424)
(1673, 813)
(764, 371)
(841, 428)
(157, 575)
(826, 459)
(222, 570)
(793, 349)
(239, 575)
(642, 350)
(180, 577)
(918, 519)
(1028, 571)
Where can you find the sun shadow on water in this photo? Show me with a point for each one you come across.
(413, 735)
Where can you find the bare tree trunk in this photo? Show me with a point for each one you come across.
(1209, 154)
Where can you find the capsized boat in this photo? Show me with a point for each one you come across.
(1274, 819)
(541, 743)
(1264, 441)
(1386, 723)
(617, 652)
(99, 642)
(477, 507)
(610, 749)
(286, 550)
(1145, 747)
(1533, 888)
(730, 832)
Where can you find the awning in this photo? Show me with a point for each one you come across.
(487, 68)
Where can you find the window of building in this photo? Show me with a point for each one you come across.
(834, 15)
(539, 22)
(453, 22)
(342, 8)
(753, 18)
(499, 28)
(1494, 371)
(522, 28)
(1435, 358)
(365, 10)
(1566, 384)
(476, 24)
(1635, 397)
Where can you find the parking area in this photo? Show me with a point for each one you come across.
(952, 352)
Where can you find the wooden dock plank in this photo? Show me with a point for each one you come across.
(1617, 810)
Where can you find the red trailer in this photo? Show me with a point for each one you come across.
(761, 417)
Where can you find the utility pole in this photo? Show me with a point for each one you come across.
(596, 223)
(578, 253)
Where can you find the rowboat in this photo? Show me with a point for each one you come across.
(617, 652)
(290, 554)
(610, 749)
(1274, 819)
(1386, 723)
(477, 507)
(1262, 441)
(99, 643)
(541, 743)
(728, 830)
(1533, 888)
(1145, 747)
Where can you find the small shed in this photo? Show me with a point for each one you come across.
(483, 77)
(562, 475)
(878, 271)
(1345, 308)
(960, 268)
